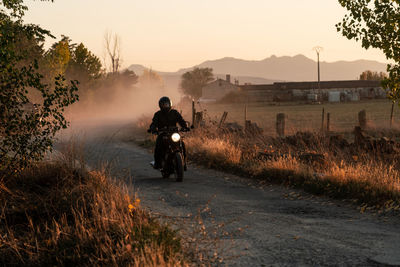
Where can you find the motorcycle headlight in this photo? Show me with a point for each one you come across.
(175, 137)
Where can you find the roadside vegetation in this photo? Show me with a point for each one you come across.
(53, 212)
(306, 160)
(321, 164)
(56, 213)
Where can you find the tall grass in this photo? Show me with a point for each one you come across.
(349, 174)
(367, 177)
(56, 215)
(219, 150)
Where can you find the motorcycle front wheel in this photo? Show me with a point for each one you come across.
(165, 171)
(165, 174)
(178, 162)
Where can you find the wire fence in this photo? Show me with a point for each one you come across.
(343, 117)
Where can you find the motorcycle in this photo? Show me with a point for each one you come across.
(174, 158)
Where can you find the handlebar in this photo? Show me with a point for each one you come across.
(168, 130)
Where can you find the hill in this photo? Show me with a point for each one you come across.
(285, 68)
(297, 68)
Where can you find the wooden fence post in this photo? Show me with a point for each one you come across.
(358, 136)
(323, 118)
(193, 113)
(198, 119)
(280, 124)
(362, 119)
(245, 115)
(223, 118)
(391, 115)
(328, 122)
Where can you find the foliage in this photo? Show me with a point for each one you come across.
(75, 62)
(128, 78)
(125, 80)
(16, 7)
(193, 81)
(83, 66)
(376, 24)
(372, 76)
(85, 62)
(58, 57)
(151, 79)
(26, 132)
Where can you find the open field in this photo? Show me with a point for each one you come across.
(302, 117)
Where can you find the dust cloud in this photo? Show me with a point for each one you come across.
(113, 109)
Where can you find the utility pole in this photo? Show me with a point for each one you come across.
(318, 49)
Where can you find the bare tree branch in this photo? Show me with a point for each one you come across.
(112, 46)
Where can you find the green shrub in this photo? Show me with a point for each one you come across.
(26, 133)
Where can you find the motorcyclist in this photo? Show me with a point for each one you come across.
(164, 118)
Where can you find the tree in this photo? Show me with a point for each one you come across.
(58, 57)
(26, 134)
(83, 66)
(151, 79)
(376, 24)
(112, 45)
(192, 82)
(372, 76)
(124, 80)
(128, 78)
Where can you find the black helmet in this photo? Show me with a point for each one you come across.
(165, 103)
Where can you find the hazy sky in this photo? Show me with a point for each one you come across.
(171, 34)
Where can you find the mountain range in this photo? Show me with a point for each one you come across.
(273, 69)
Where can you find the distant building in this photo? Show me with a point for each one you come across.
(266, 93)
(333, 91)
(217, 89)
(330, 91)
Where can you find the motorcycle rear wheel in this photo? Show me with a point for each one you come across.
(178, 167)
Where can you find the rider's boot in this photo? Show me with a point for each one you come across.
(154, 165)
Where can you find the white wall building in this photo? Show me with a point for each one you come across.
(217, 89)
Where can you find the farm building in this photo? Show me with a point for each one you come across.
(266, 93)
(332, 91)
(217, 89)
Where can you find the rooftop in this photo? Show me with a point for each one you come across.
(312, 85)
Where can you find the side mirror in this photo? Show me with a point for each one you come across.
(192, 127)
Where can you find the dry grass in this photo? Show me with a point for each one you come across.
(369, 178)
(57, 215)
(365, 178)
(305, 117)
(219, 150)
